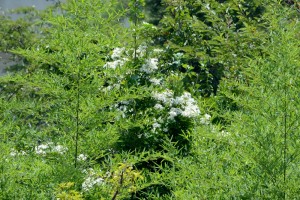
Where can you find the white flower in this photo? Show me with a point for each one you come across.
(207, 6)
(158, 106)
(41, 149)
(225, 133)
(186, 98)
(174, 112)
(153, 62)
(91, 181)
(155, 81)
(205, 119)
(59, 149)
(13, 152)
(141, 51)
(81, 157)
(190, 110)
(158, 50)
(156, 125)
(107, 89)
(122, 108)
(117, 52)
(88, 171)
(188, 105)
(114, 64)
(176, 60)
(184, 105)
(165, 97)
(178, 55)
(150, 65)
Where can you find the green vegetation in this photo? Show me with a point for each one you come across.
(197, 101)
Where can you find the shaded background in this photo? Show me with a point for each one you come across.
(6, 59)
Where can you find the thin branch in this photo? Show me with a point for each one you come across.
(120, 186)
(285, 136)
(77, 118)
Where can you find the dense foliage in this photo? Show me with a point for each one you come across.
(197, 101)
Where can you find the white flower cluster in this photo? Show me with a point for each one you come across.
(184, 105)
(43, 149)
(219, 131)
(176, 60)
(155, 81)
(92, 179)
(158, 106)
(110, 87)
(159, 124)
(117, 60)
(141, 51)
(81, 157)
(117, 53)
(225, 133)
(114, 64)
(123, 107)
(165, 97)
(150, 66)
(158, 50)
(205, 120)
(14, 153)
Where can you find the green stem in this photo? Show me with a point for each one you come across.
(135, 26)
(285, 138)
(77, 119)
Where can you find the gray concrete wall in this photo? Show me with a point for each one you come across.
(12, 4)
(6, 59)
